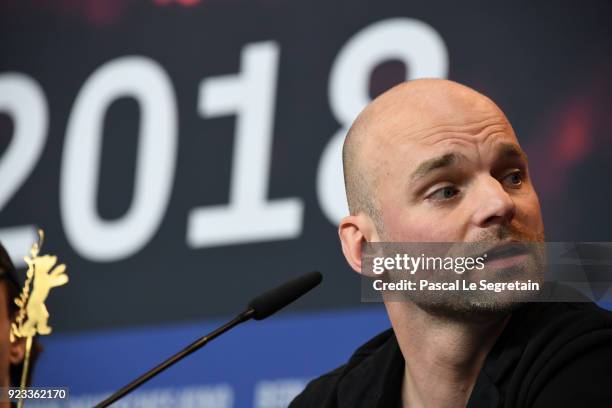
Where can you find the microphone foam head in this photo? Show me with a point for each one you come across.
(275, 299)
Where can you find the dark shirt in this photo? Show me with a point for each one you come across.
(549, 355)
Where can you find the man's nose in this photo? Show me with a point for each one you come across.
(494, 206)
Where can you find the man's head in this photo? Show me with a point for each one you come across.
(11, 353)
(434, 161)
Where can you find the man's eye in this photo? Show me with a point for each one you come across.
(514, 179)
(444, 193)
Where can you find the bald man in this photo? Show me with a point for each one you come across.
(435, 161)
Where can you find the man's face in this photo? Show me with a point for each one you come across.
(460, 177)
(440, 163)
(456, 173)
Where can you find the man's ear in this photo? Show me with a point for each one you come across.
(354, 230)
(17, 351)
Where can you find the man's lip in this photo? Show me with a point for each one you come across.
(505, 250)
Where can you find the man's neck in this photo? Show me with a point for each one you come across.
(443, 357)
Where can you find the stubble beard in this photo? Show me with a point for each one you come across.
(480, 306)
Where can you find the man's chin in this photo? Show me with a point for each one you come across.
(480, 305)
(469, 312)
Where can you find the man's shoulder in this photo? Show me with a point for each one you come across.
(322, 391)
(568, 319)
(550, 328)
(556, 342)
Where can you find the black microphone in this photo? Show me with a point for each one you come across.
(275, 299)
(259, 308)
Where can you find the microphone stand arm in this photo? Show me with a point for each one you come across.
(242, 317)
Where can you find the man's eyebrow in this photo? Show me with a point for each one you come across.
(510, 151)
(427, 166)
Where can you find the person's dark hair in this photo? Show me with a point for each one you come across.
(8, 278)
